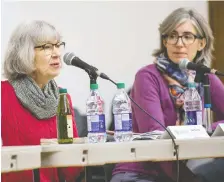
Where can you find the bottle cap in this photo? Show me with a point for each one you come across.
(62, 90)
(191, 85)
(120, 85)
(94, 86)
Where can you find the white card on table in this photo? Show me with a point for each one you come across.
(185, 132)
(219, 131)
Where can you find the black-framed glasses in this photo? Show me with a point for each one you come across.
(187, 38)
(48, 48)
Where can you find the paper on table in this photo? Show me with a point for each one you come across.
(148, 135)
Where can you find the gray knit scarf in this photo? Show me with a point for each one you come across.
(42, 103)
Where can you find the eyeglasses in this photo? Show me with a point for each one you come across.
(187, 39)
(48, 48)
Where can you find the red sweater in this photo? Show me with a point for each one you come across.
(20, 127)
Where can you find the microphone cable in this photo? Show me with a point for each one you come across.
(176, 147)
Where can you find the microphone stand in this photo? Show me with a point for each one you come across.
(207, 104)
(92, 75)
(202, 77)
(92, 78)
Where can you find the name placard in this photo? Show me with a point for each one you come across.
(185, 132)
(219, 131)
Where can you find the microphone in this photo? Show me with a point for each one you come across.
(186, 64)
(71, 59)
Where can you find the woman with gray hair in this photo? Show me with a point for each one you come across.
(159, 88)
(30, 95)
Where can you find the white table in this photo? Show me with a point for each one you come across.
(55, 155)
(17, 158)
(149, 150)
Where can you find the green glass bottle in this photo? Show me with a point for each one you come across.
(64, 119)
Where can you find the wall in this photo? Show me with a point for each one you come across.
(216, 18)
(116, 37)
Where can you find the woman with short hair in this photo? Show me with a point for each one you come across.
(29, 96)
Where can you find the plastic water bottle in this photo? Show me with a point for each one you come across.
(95, 116)
(192, 106)
(122, 115)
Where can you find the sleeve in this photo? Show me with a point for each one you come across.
(70, 173)
(146, 94)
(217, 98)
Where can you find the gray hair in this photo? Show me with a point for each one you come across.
(19, 56)
(181, 15)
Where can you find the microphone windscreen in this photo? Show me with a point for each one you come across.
(68, 58)
(183, 64)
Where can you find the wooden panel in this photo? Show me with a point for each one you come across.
(216, 20)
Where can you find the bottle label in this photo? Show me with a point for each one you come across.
(193, 118)
(192, 105)
(64, 126)
(96, 123)
(123, 122)
(69, 126)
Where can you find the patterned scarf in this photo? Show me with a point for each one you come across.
(177, 80)
(42, 103)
